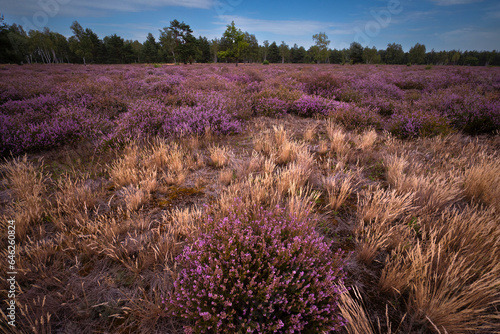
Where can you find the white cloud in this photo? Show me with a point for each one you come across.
(454, 2)
(95, 7)
(470, 38)
(285, 27)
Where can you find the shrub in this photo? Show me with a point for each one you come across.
(265, 62)
(419, 122)
(196, 120)
(271, 107)
(259, 272)
(309, 105)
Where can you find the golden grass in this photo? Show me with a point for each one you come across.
(220, 156)
(226, 176)
(367, 139)
(74, 195)
(339, 187)
(310, 133)
(388, 206)
(124, 170)
(28, 185)
(482, 183)
(452, 275)
(102, 248)
(134, 197)
(339, 140)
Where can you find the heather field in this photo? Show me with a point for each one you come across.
(262, 199)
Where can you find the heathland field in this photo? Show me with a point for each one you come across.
(263, 199)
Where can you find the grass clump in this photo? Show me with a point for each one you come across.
(259, 271)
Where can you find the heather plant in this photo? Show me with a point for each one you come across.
(271, 107)
(309, 105)
(417, 122)
(64, 126)
(259, 271)
(210, 113)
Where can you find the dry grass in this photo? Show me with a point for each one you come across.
(367, 139)
(452, 275)
(124, 171)
(384, 205)
(339, 187)
(310, 133)
(102, 248)
(323, 147)
(339, 141)
(220, 156)
(293, 177)
(74, 195)
(278, 144)
(482, 183)
(28, 185)
(353, 310)
(134, 197)
(432, 193)
(301, 204)
(226, 176)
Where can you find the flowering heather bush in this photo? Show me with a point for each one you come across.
(309, 105)
(67, 125)
(419, 123)
(271, 107)
(351, 116)
(124, 101)
(324, 85)
(211, 112)
(144, 118)
(259, 272)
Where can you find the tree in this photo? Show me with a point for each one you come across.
(298, 54)
(273, 55)
(168, 43)
(251, 53)
(265, 49)
(336, 57)
(185, 42)
(150, 49)
(284, 51)
(322, 43)
(455, 57)
(115, 49)
(371, 56)
(394, 54)
(236, 42)
(85, 43)
(214, 48)
(204, 50)
(356, 53)
(417, 54)
(131, 51)
(14, 44)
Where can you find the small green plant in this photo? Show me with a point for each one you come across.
(265, 62)
(413, 224)
(428, 67)
(408, 64)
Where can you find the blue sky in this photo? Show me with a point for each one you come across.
(439, 24)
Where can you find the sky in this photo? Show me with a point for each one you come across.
(439, 24)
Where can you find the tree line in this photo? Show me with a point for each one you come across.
(177, 44)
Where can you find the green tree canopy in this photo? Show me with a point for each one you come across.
(417, 54)
(394, 54)
(236, 42)
(356, 53)
(322, 42)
